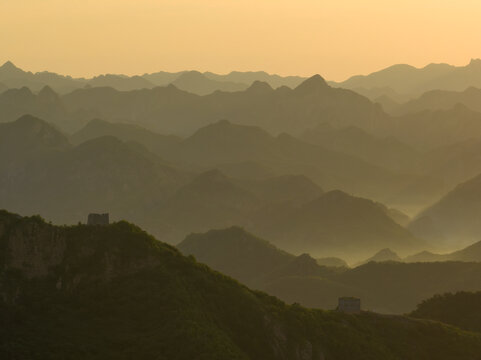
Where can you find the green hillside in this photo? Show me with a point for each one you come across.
(114, 292)
(461, 309)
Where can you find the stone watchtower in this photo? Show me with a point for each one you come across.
(98, 219)
(349, 305)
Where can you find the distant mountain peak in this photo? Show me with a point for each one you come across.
(29, 120)
(386, 253)
(383, 256)
(209, 177)
(306, 258)
(225, 128)
(259, 86)
(223, 122)
(337, 195)
(97, 121)
(32, 130)
(172, 87)
(475, 62)
(102, 144)
(313, 84)
(47, 93)
(24, 92)
(213, 174)
(9, 66)
(193, 75)
(460, 107)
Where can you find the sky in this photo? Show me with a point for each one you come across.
(336, 38)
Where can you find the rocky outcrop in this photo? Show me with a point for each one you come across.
(35, 249)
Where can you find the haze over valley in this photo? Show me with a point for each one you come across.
(240, 180)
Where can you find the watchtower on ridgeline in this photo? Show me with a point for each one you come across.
(349, 305)
(98, 219)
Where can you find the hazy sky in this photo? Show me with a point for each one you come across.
(335, 38)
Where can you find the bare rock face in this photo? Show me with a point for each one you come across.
(35, 248)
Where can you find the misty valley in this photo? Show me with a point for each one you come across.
(195, 215)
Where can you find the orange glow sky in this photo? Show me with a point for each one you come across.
(333, 38)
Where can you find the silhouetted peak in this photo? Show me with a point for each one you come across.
(223, 122)
(48, 93)
(437, 66)
(385, 255)
(216, 127)
(31, 127)
(212, 175)
(260, 87)
(354, 130)
(400, 67)
(192, 75)
(29, 120)
(460, 108)
(475, 63)
(170, 87)
(472, 90)
(283, 89)
(97, 122)
(210, 181)
(8, 66)
(226, 129)
(476, 247)
(336, 195)
(313, 84)
(237, 230)
(386, 252)
(109, 77)
(286, 138)
(303, 265)
(102, 144)
(23, 92)
(305, 258)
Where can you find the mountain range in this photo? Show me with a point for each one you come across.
(250, 153)
(469, 253)
(307, 193)
(384, 284)
(171, 110)
(409, 80)
(197, 83)
(192, 81)
(414, 175)
(42, 172)
(398, 82)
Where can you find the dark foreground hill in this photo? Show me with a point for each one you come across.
(462, 309)
(115, 292)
